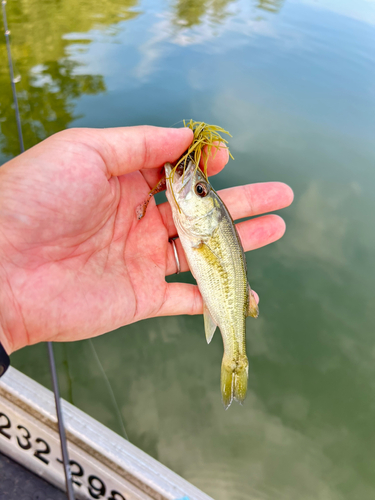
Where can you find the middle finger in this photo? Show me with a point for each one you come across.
(254, 233)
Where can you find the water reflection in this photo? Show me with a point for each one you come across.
(46, 102)
(43, 54)
(270, 5)
(189, 13)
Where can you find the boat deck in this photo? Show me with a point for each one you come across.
(18, 483)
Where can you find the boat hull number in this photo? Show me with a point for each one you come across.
(95, 486)
(38, 448)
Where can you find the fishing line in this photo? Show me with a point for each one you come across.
(60, 422)
(176, 123)
(110, 390)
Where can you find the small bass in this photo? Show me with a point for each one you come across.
(217, 262)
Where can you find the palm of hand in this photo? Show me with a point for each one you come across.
(102, 266)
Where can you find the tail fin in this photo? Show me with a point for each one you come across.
(234, 375)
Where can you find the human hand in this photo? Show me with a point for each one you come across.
(74, 260)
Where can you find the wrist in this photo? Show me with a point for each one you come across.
(4, 341)
(4, 360)
(11, 328)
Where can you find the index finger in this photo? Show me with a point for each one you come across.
(243, 201)
(256, 199)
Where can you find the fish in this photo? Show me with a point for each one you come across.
(217, 261)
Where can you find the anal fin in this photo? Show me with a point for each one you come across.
(209, 324)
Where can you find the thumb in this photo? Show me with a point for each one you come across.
(126, 149)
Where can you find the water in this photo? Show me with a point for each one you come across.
(294, 84)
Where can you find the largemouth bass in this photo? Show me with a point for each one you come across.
(217, 262)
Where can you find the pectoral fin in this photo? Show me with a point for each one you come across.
(209, 324)
(253, 310)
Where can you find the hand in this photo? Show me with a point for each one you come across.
(74, 260)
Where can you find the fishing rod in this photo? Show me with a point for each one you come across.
(55, 384)
(60, 423)
(12, 79)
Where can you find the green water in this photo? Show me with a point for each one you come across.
(293, 81)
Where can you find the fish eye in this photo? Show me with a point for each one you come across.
(201, 189)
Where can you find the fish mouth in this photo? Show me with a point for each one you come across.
(185, 178)
(182, 170)
(168, 167)
(181, 176)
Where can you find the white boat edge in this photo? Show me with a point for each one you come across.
(130, 472)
